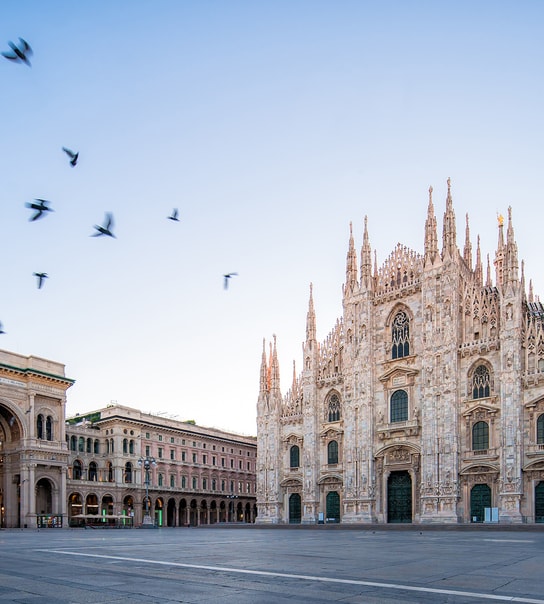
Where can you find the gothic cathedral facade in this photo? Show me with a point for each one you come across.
(424, 404)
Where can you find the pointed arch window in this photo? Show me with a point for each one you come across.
(400, 336)
(399, 406)
(481, 380)
(334, 408)
(332, 452)
(49, 428)
(39, 426)
(294, 457)
(480, 436)
(540, 429)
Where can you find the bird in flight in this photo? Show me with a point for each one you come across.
(40, 207)
(174, 215)
(41, 278)
(227, 277)
(73, 156)
(106, 228)
(1, 329)
(20, 53)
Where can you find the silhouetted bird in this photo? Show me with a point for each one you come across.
(227, 277)
(106, 229)
(174, 215)
(1, 329)
(41, 278)
(73, 156)
(19, 53)
(40, 208)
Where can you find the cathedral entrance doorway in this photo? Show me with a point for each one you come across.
(539, 502)
(480, 498)
(399, 497)
(295, 509)
(333, 507)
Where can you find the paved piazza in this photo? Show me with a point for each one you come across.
(254, 565)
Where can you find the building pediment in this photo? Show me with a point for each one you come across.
(480, 408)
(396, 377)
(293, 439)
(330, 478)
(479, 469)
(291, 482)
(331, 433)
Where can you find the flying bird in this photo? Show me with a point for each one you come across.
(41, 278)
(20, 53)
(73, 156)
(227, 277)
(40, 207)
(106, 228)
(1, 329)
(174, 215)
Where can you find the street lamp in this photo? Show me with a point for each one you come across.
(147, 462)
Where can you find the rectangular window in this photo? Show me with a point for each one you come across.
(204, 459)
(222, 462)
(171, 439)
(183, 456)
(172, 454)
(194, 457)
(160, 452)
(147, 451)
(160, 436)
(213, 460)
(147, 434)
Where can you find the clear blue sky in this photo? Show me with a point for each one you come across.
(271, 126)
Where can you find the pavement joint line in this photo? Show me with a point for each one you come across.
(264, 573)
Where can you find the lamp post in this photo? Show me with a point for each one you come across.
(147, 462)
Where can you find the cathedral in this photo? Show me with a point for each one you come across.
(424, 404)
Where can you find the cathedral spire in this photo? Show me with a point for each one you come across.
(488, 282)
(366, 259)
(499, 254)
(449, 234)
(263, 386)
(351, 264)
(431, 237)
(467, 252)
(310, 318)
(275, 372)
(478, 269)
(511, 255)
(531, 293)
(523, 293)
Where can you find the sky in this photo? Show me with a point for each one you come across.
(271, 126)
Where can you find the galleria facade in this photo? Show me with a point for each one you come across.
(424, 404)
(115, 466)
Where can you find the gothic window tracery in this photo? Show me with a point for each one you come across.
(480, 436)
(399, 406)
(400, 336)
(333, 408)
(481, 380)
